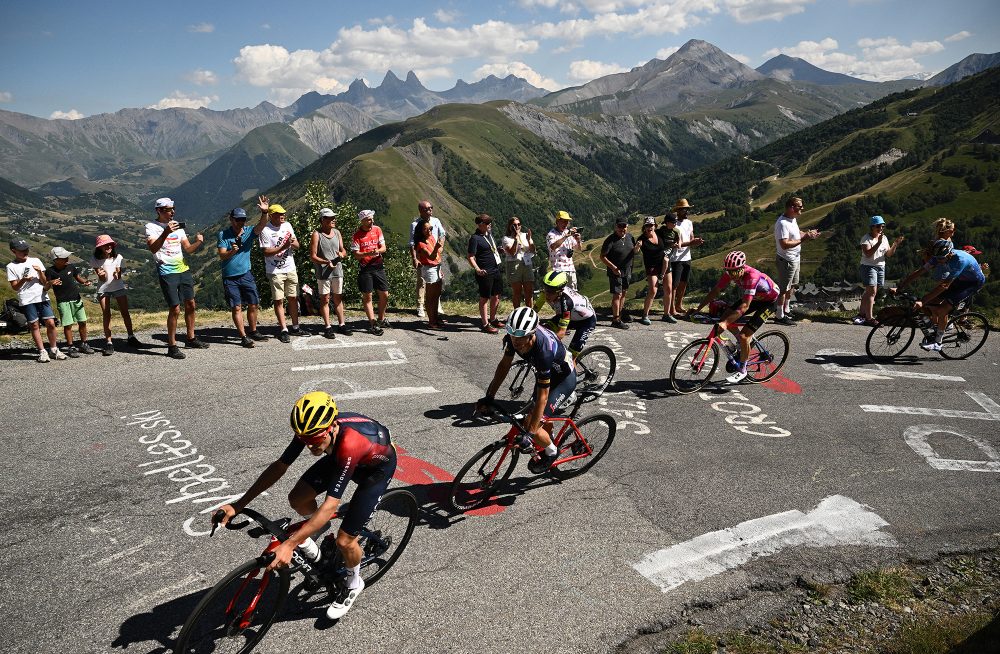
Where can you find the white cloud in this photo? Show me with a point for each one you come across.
(958, 36)
(6, 96)
(382, 20)
(520, 69)
(202, 77)
(663, 53)
(445, 16)
(889, 48)
(585, 70)
(201, 28)
(184, 101)
(743, 59)
(752, 11)
(265, 26)
(882, 58)
(72, 114)
(654, 17)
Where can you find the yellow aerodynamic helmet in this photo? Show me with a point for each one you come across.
(312, 414)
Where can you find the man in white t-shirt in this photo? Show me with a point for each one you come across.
(788, 243)
(425, 208)
(680, 257)
(27, 276)
(278, 244)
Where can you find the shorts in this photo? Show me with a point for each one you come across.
(119, 293)
(680, 270)
(654, 271)
(177, 287)
(490, 284)
(330, 285)
(960, 290)
(39, 310)
(518, 272)
(284, 285)
(571, 274)
(756, 314)
(430, 274)
(373, 278)
(559, 393)
(371, 482)
(240, 290)
(71, 312)
(584, 328)
(788, 274)
(619, 284)
(872, 275)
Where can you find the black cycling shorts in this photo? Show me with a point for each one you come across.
(584, 328)
(756, 315)
(371, 482)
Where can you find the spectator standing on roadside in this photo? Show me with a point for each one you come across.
(519, 251)
(429, 256)
(562, 240)
(168, 242)
(617, 253)
(63, 279)
(485, 261)
(326, 250)
(27, 276)
(670, 236)
(680, 260)
(368, 246)
(874, 249)
(107, 263)
(788, 243)
(425, 210)
(656, 263)
(278, 244)
(233, 245)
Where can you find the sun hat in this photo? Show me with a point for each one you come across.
(103, 240)
(18, 244)
(164, 203)
(366, 213)
(327, 213)
(238, 213)
(563, 215)
(60, 253)
(877, 220)
(649, 221)
(276, 208)
(682, 204)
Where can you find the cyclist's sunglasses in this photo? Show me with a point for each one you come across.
(315, 439)
(519, 333)
(734, 270)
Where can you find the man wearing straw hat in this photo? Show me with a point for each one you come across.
(680, 259)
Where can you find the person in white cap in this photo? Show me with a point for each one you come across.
(64, 279)
(368, 246)
(27, 276)
(326, 249)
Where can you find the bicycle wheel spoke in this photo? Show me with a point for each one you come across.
(964, 335)
(694, 366)
(583, 444)
(767, 355)
(886, 342)
(595, 370)
(387, 533)
(475, 483)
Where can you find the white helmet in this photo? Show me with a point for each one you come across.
(522, 321)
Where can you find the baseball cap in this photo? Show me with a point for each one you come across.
(971, 249)
(877, 220)
(164, 203)
(238, 213)
(276, 208)
(60, 253)
(18, 244)
(621, 222)
(563, 215)
(669, 218)
(649, 221)
(366, 213)
(327, 213)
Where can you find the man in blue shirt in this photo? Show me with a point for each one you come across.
(234, 243)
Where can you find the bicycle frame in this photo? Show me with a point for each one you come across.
(567, 430)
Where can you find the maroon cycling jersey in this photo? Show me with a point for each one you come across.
(362, 445)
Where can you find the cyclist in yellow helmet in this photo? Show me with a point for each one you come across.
(573, 310)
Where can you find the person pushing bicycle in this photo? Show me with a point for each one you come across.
(759, 293)
(555, 378)
(357, 448)
(573, 310)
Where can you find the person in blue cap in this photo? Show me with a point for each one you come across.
(874, 249)
(234, 244)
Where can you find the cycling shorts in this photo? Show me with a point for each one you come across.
(756, 314)
(584, 328)
(960, 290)
(559, 393)
(371, 484)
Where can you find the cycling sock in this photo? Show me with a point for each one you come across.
(551, 449)
(354, 577)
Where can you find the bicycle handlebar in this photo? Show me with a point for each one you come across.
(498, 409)
(268, 526)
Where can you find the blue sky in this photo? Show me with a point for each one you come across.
(73, 59)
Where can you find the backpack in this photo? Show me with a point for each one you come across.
(14, 317)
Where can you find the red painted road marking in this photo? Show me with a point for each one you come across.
(783, 384)
(411, 470)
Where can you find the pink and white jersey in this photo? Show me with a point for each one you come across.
(755, 285)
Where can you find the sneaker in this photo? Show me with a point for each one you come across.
(488, 329)
(174, 352)
(542, 463)
(328, 332)
(421, 313)
(59, 355)
(43, 356)
(618, 324)
(85, 348)
(499, 324)
(134, 342)
(669, 318)
(933, 346)
(644, 321)
(344, 602)
(737, 376)
(345, 330)
(294, 330)
(786, 321)
(284, 337)
(246, 342)
(858, 320)
(72, 352)
(195, 344)
(257, 336)
(108, 349)
(928, 339)
(384, 324)
(626, 317)
(375, 330)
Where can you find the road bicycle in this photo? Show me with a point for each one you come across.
(964, 334)
(595, 370)
(696, 363)
(580, 445)
(239, 610)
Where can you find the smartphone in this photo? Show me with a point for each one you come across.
(181, 225)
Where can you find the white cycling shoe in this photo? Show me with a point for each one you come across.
(343, 604)
(737, 377)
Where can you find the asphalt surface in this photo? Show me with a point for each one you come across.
(732, 487)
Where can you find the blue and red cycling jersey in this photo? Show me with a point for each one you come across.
(754, 285)
(547, 356)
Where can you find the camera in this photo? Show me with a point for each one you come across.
(181, 225)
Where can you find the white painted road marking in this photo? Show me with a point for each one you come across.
(992, 409)
(319, 343)
(875, 371)
(396, 356)
(388, 392)
(837, 520)
(916, 438)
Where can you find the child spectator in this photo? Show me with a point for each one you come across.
(108, 265)
(63, 278)
(27, 276)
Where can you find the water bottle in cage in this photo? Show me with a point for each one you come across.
(309, 549)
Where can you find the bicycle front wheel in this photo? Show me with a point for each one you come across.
(593, 434)
(385, 536)
(886, 342)
(595, 370)
(483, 474)
(964, 335)
(237, 612)
(767, 354)
(519, 392)
(694, 366)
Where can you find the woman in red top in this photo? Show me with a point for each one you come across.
(428, 251)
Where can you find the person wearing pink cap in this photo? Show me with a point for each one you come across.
(107, 263)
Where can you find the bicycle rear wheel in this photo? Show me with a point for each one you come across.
(519, 392)
(594, 433)
(767, 354)
(223, 621)
(964, 335)
(694, 366)
(385, 536)
(595, 370)
(484, 472)
(886, 342)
